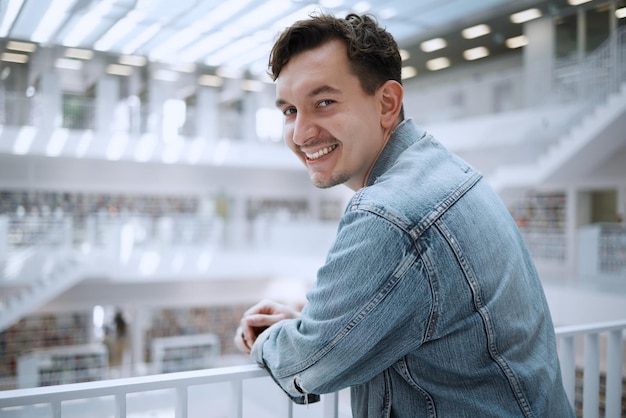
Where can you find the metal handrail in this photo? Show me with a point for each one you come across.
(281, 406)
(593, 79)
(181, 382)
(588, 360)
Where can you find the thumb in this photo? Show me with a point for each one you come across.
(262, 320)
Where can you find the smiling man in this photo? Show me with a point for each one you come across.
(331, 123)
(428, 304)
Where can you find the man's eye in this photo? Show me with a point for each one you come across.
(289, 111)
(326, 102)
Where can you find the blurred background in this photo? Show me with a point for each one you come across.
(147, 199)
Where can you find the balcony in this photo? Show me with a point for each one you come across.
(591, 361)
(242, 391)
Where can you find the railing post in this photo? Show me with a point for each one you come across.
(181, 402)
(289, 408)
(614, 374)
(56, 408)
(331, 405)
(568, 367)
(591, 378)
(236, 399)
(120, 405)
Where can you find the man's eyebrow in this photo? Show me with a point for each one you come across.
(323, 89)
(316, 91)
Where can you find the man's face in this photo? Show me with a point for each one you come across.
(331, 124)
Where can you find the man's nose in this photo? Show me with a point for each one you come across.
(304, 129)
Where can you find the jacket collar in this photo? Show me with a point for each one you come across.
(405, 135)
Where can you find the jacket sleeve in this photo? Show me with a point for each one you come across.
(370, 306)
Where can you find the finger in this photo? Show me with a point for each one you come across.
(251, 328)
(263, 307)
(261, 320)
(240, 341)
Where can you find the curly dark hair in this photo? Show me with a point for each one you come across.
(372, 51)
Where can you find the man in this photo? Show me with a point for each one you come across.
(428, 304)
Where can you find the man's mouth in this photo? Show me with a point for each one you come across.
(320, 153)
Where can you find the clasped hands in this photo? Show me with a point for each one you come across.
(257, 319)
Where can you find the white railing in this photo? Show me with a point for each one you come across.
(595, 77)
(247, 391)
(237, 392)
(602, 353)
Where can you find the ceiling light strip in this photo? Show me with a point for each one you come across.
(434, 44)
(222, 13)
(206, 46)
(525, 15)
(133, 60)
(142, 38)
(408, 72)
(299, 14)
(81, 54)
(117, 69)
(476, 31)
(259, 17)
(14, 57)
(87, 23)
(255, 18)
(120, 29)
(233, 50)
(516, 42)
(21, 46)
(437, 64)
(52, 19)
(10, 13)
(475, 53)
(210, 80)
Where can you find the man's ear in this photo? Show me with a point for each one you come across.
(392, 94)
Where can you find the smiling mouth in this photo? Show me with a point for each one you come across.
(324, 151)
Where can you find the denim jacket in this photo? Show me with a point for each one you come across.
(428, 304)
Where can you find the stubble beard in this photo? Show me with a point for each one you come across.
(328, 182)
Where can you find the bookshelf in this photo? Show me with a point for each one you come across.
(541, 218)
(62, 365)
(602, 252)
(185, 352)
(41, 331)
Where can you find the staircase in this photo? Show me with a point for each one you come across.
(55, 274)
(598, 84)
(599, 135)
(37, 263)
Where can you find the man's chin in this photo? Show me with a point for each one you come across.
(325, 182)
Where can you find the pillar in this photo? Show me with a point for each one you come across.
(160, 92)
(572, 223)
(207, 113)
(107, 98)
(139, 324)
(250, 107)
(51, 101)
(4, 232)
(621, 204)
(538, 60)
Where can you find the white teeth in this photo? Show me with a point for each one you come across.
(320, 153)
